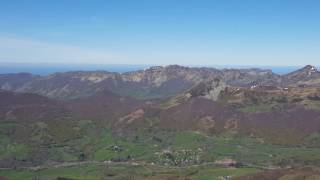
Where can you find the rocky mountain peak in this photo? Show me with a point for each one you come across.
(310, 69)
(307, 70)
(306, 75)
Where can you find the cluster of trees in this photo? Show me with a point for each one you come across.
(181, 157)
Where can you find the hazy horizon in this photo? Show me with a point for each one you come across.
(49, 68)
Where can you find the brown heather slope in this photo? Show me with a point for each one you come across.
(30, 107)
(287, 123)
(288, 126)
(198, 114)
(104, 106)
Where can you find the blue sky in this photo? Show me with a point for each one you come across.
(186, 32)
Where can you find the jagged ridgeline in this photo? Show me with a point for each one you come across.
(172, 116)
(155, 82)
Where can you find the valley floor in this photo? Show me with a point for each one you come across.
(97, 171)
(254, 157)
(136, 171)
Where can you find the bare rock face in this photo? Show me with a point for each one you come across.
(130, 118)
(208, 89)
(215, 90)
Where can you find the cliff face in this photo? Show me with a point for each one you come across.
(208, 89)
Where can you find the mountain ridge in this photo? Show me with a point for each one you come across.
(154, 82)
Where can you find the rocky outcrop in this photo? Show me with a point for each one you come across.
(208, 89)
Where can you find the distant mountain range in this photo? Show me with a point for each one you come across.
(155, 82)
